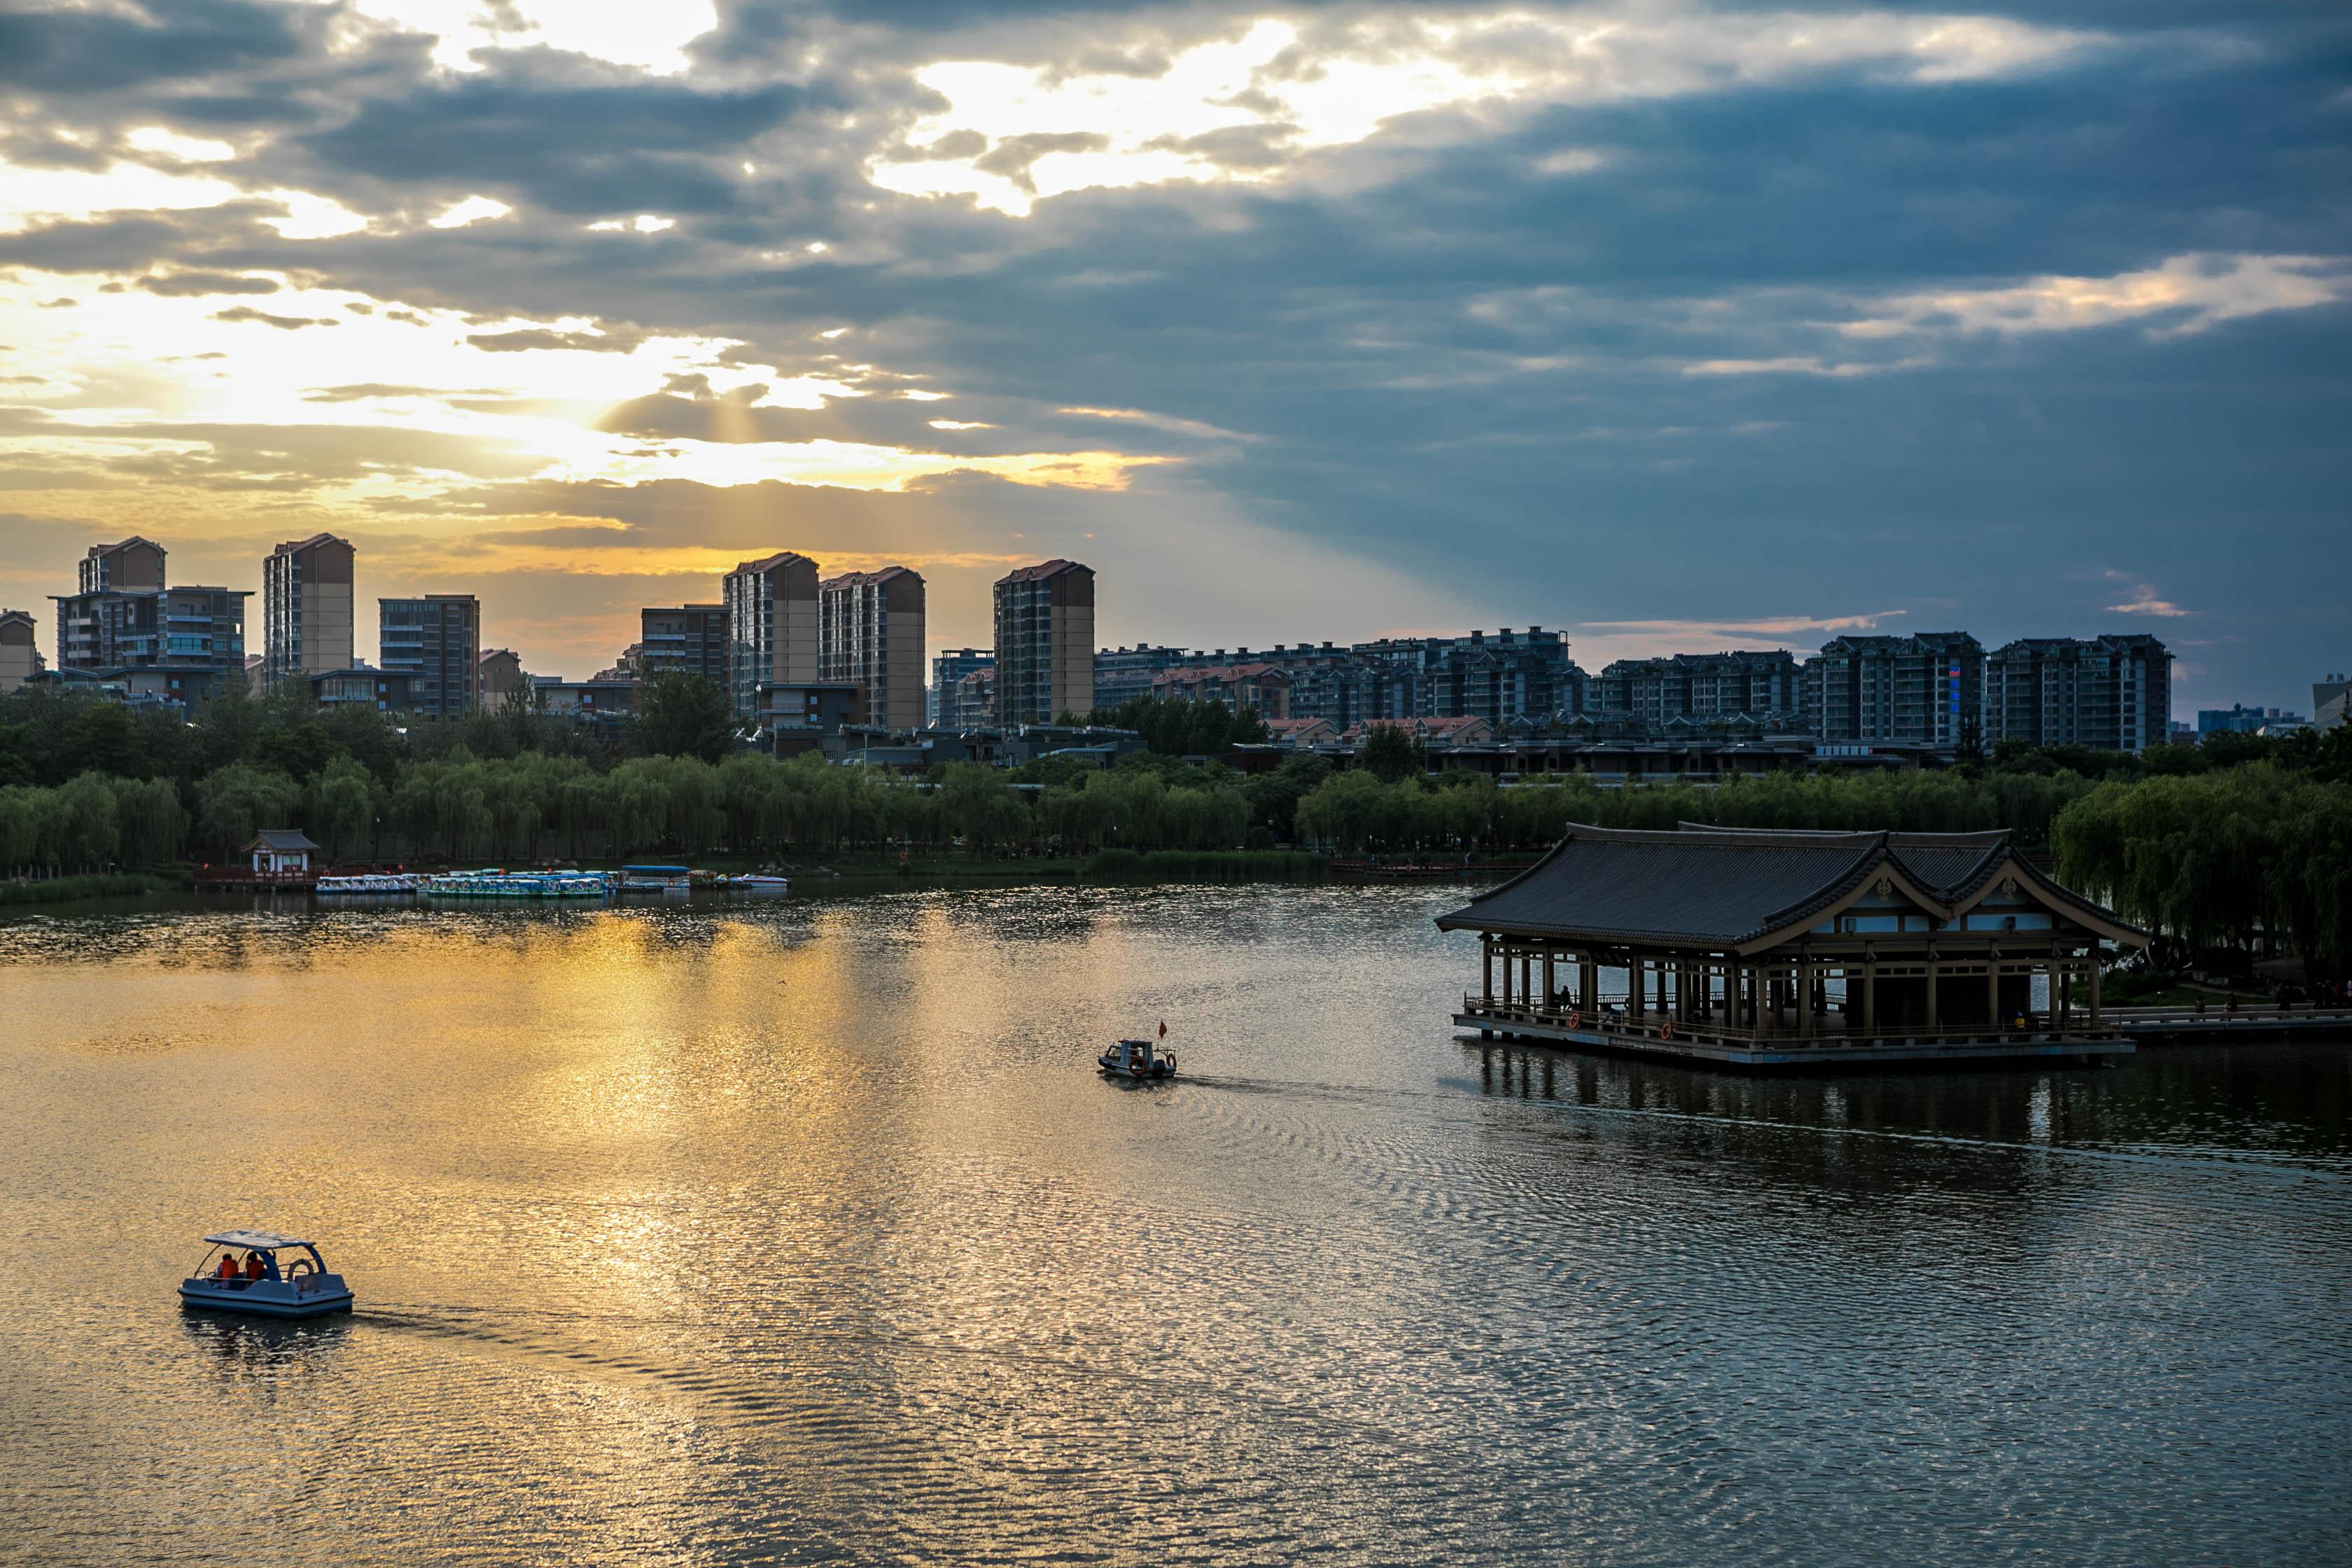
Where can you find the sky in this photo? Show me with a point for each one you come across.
(1675, 326)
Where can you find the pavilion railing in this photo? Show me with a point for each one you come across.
(1652, 1029)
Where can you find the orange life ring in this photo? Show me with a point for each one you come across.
(1667, 1031)
(1576, 1019)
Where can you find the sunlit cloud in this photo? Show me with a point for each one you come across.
(472, 210)
(2141, 600)
(170, 143)
(2183, 294)
(651, 37)
(1245, 108)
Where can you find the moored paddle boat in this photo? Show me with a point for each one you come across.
(264, 1274)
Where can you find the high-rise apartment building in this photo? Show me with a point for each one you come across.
(436, 642)
(144, 629)
(1702, 685)
(20, 658)
(948, 669)
(1927, 690)
(773, 626)
(2109, 693)
(306, 608)
(1509, 675)
(870, 633)
(135, 562)
(1124, 674)
(1045, 643)
(691, 638)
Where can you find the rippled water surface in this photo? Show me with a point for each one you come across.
(803, 1232)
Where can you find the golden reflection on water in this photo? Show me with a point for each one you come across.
(707, 1234)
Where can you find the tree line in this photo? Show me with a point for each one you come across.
(2205, 855)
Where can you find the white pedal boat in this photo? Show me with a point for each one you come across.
(1137, 1060)
(265, 1274)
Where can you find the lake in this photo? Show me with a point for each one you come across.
(803, 1231)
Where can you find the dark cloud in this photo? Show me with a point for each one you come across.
(283, 323)
(196, 281)
(523, 338)
(562, 136)
(95, 49)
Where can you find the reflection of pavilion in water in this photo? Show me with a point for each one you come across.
(1764, 948)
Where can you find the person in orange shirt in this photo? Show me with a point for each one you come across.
(254, 1266)
(227, 1269)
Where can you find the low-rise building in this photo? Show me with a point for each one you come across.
(947, 669)
(971, 702)
(500, 676)
(1453, 730)
(361, 686)
(795, 716)
(1261, 688)
(2240, 720)
(1300, 734)
(2330, 699)
(20, 656)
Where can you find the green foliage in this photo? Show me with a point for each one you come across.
(345, 804)
(681, 715)
(236, 802)
(1185, 728)
(1390, 753)
(2208, 860)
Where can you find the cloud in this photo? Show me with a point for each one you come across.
(284, 323)
(2181, 295)
(2142, 600)
(1251, 105)
(196, 281)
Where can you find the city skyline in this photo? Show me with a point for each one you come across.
(1678, 328)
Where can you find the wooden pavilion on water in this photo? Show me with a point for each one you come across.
(1768, 948)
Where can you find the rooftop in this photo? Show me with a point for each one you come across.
(1733, 887)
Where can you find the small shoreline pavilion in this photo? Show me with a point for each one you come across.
(1770, 948)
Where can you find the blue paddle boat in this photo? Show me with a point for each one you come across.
(266, 1275)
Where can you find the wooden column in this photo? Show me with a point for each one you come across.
(1992, 992)
(2094, 985)
(1507, 977)
(1869, 997)
(1589, 979)
(1487, 962)
(1805, 975)
(1934, 1019)
(1551, 991)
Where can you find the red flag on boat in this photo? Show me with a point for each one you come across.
(1163, 1028)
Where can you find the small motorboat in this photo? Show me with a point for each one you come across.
(1137, 1060)
(266, 1275)
(755, 884)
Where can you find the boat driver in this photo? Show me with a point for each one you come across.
(227, 1269)
(255, 1269)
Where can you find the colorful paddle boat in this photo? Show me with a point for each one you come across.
(265, 1274)
(1137, 1060)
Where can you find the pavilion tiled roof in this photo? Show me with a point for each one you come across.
(1721, 888)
